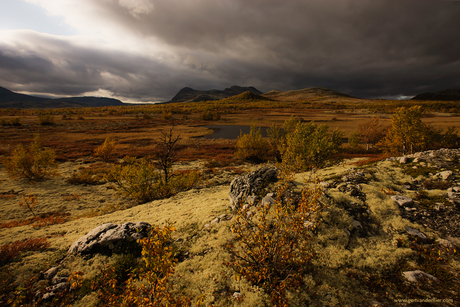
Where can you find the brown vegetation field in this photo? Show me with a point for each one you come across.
(40, 220)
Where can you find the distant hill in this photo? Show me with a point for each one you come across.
(247, 97)
(10, 99)
(307, 93)
(188, 94)
(450, 94)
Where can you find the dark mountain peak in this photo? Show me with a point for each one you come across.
(4, 91)
(447, 95)
(188, 94)
(9, 99)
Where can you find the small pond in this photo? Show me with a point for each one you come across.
(230, 132)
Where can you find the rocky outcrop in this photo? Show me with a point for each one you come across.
(109, 238)
(250, 185)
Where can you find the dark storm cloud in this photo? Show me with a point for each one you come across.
(367, 48)
(45, 64)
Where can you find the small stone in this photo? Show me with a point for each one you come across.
(61, 287)
(446, 175)
(308, 225)
(59, 279)
(456, 189)
(51, 272)
(402, 201)
(404, 160)
(325, 184)
(451, 194)
(356, 225)
(439, 206)
(416, 276)
(268, 200)
(237, 295)
(445, 242)
(416, 233)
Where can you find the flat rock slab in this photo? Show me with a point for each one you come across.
(417, 276)
(402, 201)
(108, 238)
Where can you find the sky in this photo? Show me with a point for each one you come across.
(142, 51)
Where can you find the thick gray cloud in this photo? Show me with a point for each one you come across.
(367, 48)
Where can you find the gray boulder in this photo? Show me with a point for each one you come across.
(250, 185)
(108, 238)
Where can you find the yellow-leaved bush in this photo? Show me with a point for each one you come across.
(150, 284)
(33, 163)
(272, 249)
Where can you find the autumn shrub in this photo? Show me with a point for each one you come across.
(372, 132)
(8, 252)
(276, 139)
(407, 132)
(310, 145)
(208, 115)
(272, 249)
(252, 146)
(46, 119)
(106, 150)
(91, 176)
(142, 181)
(148, 285)
(12, 122)
(33, 163)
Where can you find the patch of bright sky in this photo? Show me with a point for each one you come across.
(20, 15)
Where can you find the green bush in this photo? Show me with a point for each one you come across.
(33, 163)
(310, 145)
(252, 146)
(142, 181)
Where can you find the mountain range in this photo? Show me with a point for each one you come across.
(449, 95)
(10, 99)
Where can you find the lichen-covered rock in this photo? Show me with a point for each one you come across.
(108, 238)
(249, 185)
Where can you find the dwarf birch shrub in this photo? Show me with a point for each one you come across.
(310, 145)
(33, 163)
(148, 285)
(252, 146)
(106, 150)
(142, 181)
(272, 250)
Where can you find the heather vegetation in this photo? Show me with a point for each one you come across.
(297, 242)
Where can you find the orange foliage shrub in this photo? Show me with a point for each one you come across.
(106, 150)
(32, 163)
(150, 286)
(272, 249)
(10, 251)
